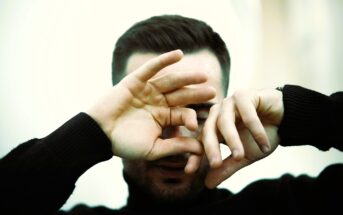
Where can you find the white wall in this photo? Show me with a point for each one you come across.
(55, 60)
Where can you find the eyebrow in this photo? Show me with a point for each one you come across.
(206, 105)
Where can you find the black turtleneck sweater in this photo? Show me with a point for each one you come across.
(38, 176)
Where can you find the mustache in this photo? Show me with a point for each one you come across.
(175, 158)
(177, 161)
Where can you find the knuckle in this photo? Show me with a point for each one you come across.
(151, 155)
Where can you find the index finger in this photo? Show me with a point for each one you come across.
(151, 67)
(252, 121)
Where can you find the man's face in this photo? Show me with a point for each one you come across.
(165, 179)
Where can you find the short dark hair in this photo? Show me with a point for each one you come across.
(165, 33)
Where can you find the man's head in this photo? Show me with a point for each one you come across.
(204, 50)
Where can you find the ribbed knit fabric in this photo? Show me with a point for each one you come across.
(42, 172)
(311, 118)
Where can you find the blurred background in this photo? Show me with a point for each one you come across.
(55, 61)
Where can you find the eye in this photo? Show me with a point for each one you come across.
(202, 115)
(202, 110)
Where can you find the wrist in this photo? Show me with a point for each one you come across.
(279, 105)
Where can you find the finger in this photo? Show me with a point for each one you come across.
(181, 116)
(228, 129)
(193, 163)
(210, 138)
(190, 95)
(174, 146)
(177, 79)
(226, 170)
(250, 119)
(150, 68)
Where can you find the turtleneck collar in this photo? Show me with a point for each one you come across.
(141, 201)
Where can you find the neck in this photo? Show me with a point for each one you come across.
(140, 200)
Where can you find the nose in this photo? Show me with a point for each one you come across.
(176, 131)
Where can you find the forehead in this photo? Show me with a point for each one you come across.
(203, 60)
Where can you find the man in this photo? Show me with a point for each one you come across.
(205, 51)
(150, 119)
(138, 116)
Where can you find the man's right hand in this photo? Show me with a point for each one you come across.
(134, 112)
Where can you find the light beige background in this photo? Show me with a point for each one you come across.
(55, 60)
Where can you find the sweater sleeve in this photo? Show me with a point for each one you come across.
(38, 176)
(311, 118)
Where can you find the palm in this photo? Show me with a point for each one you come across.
(136, 110)
(143, 112)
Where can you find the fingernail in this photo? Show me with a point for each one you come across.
(265, 148)
(235, 154)
(215, 163)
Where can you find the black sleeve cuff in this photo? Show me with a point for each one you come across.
(310, 118)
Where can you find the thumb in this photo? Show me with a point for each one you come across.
(173, 146)
(227, 169)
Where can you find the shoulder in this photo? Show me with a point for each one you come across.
(301, 186)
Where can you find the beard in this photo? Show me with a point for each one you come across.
(164, 190)
(175, 190)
